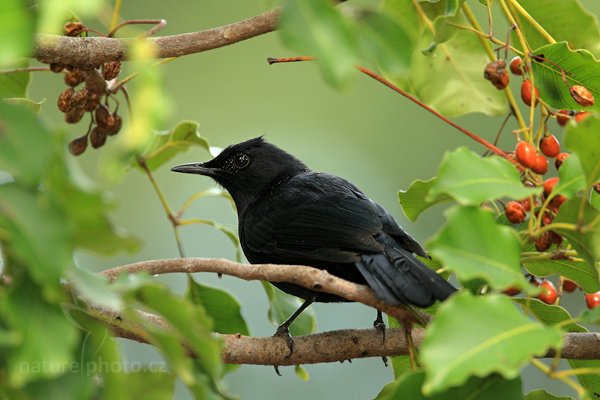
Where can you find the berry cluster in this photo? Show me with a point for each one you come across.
(534, 161)
(93, 98)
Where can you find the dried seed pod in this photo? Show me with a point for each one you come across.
(79, 98)
(74, 28)
(544, 242)
(496, 73)
(116, 127)
(582, 95)
(111, 69)
(104, 118)
(75, 115)
(78, 145)
(56, 67)
(597, 187)
(97, 137)
(93, 101)
(74, 77)
(515, 212)
(64, 100)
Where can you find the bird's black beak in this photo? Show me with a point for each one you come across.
(194, 168)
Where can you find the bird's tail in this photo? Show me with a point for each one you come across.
(398, 277)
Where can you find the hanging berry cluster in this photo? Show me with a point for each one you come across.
(92, 98)
(533, 158)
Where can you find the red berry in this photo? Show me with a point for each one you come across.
(581, 116)
(549, 146)
(569, 286)
(560, 159)
(548, 292)
(526, 154)
(515, 212)
(515, 66)
(557, 201)
(563, 116)
(549, 185)
(526, 93)
(582, 95)
(592, 300)
(541, 165)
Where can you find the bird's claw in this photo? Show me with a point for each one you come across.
(379, 325)
(284, 332)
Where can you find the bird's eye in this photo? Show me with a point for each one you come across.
(241, 160)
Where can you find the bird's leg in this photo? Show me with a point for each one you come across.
(283, 330)
(380, 326)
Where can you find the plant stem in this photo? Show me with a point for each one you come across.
(24, 69)
(507, 92)
(546, 370)
(515, 4)
(115, 16)
(576, 371)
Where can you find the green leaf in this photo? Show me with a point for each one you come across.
(582, 273)
(14, 85)
(549, 314)
(595, 200)
(282, 306)
(414, 200)
(36, 236)
(223, 308)
(25, 144)
(584, 140)
(301, 373)
(474, 246)
(493, 387)
(95, 289)
(571, 178)
(151, 385)
(441, 8)
(47, 337)
(317, 28)
(35, 106)
(542, 394)
(16, 31)
(565, 20)
(586, 243)
(167, 144)
(590, 316)
(386, 42)
(190, 320)
(581, 69)
(451, 81)
(472, 179)
(503, 342)
(589, 381)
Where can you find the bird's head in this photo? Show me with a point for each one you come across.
(247, 169)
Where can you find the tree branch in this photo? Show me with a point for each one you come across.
(90, 52)
(308, 277)
(333, 346)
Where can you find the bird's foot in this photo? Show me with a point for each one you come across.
(379, 325)
(385, 361)
(284, 332)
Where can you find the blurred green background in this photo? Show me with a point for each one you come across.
(367, 134)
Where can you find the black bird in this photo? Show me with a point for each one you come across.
(289, 214)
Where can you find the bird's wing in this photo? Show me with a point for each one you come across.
(313, 224)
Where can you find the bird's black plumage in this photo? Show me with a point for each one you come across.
(289, 214)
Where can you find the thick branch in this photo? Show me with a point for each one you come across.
(91, 52)
(308, 277)
(325, 347)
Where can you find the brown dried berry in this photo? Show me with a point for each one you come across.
(74, 28)
(75, 115)
(111, 69)
(93, 101)
(56, 67)
(64, 100)
(557, 201)
(79, 98)
(597, 187)
(104, 118)
(116, 127)
(515, 212)
(582, 95)
(78, 145)
(496, 73)
(560, 159)
(74, 78)
(97, 137)
(569, 286)
(543, 243)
